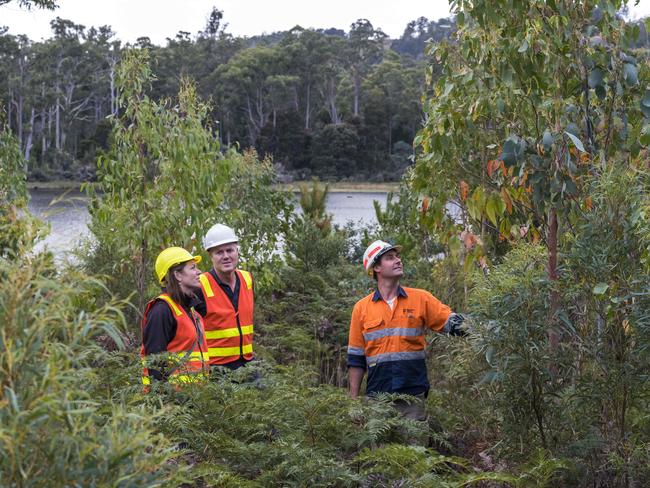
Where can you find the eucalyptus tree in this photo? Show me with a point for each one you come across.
(248, 82)
(538, 106)
(365, 48)
(391, 105)
(532, 99)
(418, 33)
(159, 185)
(307, 53)
(333, 71)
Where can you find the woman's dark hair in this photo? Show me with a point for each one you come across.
(171, 285)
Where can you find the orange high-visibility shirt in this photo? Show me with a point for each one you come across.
(391, 343)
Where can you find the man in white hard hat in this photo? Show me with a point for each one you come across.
(387, 332)
(228, 301)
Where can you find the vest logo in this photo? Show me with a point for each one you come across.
(409, 312)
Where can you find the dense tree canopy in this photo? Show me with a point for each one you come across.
(282, 94)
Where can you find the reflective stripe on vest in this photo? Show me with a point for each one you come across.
(187, 352)
(171, 304)
(223, 333)
(229, 351)
(229, 334)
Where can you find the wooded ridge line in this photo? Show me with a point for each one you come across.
(319, 102)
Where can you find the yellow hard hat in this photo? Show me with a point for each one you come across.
(171, 257)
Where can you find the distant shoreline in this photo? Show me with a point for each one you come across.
(334, 187)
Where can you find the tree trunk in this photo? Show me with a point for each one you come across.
(252, 126)
(111, 75)
(331, 98)
(9, 105)
(57, 108)
(19, 119)
(57, 123)
(552, 276)
(20, 106)
(30, 136)
(357, 92)
(307, 106)
(43, 136)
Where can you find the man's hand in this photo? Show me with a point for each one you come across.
(454, 325)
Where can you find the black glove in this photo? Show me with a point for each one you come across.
(454, 325)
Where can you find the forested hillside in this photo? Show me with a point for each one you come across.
(323, 102)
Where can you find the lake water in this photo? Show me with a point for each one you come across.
(67, 214)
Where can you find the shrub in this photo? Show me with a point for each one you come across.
(54, 429)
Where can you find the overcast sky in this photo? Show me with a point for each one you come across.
(159, 19)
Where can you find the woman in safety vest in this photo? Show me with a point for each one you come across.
(171, 328)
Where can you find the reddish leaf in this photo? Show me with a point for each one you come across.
(464, 190)
(506, 199)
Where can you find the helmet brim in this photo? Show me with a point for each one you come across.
(196, 259)
(221, 243)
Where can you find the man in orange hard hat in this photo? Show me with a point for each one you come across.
(387, 332)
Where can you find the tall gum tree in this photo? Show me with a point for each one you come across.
(159, 185)
(535, 98)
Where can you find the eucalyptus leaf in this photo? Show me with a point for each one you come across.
(513, 150)
(595, 78)
(547, 140)
(645, 135)
(576, 142)
(570, 187)
(596, 15)
(600, 288)
(628, 59)
(619, 89)
(630, 74)
(491, 211)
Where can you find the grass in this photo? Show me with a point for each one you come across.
(345, 186)
(334, 187)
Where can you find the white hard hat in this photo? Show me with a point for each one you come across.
(217, 235)
(374, 252)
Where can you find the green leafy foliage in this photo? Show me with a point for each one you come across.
(529, 103)
(260, 213)
(17, 228)
(159, 184)
(164, 183)
(55, 430)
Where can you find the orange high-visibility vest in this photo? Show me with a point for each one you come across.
(229, 333)
(188, 349)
